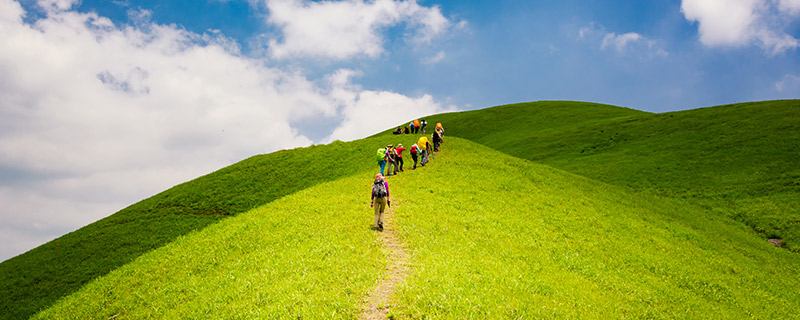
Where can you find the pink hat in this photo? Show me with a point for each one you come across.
(379, 176)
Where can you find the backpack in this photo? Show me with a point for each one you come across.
(379, 189)
(381, 154)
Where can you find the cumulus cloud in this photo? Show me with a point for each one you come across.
(95, 116)
(365, 111)
(744, 22)
(344, 29)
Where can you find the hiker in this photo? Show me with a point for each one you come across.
(423, 144)
(405, 130)
(437, 140)
(439, 128)
(424, 124)
(379, 200)
(381, 157)
(399, 152)
(414, 151)
(391, 160)
(411, 126)
(416, 126)
(398, 131)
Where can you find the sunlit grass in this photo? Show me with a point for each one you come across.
(308, 255)
(496, 237)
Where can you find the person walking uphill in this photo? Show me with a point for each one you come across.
(414, 151)
(391, 161)
(399, 152)
(423, 144)
(379, 200)
(381, 157)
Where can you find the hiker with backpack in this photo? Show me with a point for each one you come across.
(416, 126)
(414, 152)
(399, 153)
(381, 157)
(391, 160)
(424, 124)
(423, 144)
(379, 200)
(437, 140)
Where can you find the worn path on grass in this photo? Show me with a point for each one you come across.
(378, 303)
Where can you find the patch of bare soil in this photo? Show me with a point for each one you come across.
(776, 242)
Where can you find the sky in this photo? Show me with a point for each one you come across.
(104, 103)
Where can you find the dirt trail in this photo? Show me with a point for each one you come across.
(378, 303)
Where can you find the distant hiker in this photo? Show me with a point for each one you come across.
(381, 157)
(405, 130)
(399, 151)
(423, 144)
(398, 131)
(416, 126)
(424, 124)
(379, 200)
(391, 160)
(414, 151)
(439, 128)
(411, 126)
(437, 140)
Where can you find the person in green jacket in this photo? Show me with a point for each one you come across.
(381, 157)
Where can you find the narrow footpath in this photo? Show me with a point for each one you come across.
(378, 304)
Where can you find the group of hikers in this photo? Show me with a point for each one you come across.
(413, 127)
(391, 156)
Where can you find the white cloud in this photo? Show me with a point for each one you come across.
(620, 42)
(435, 59)
(368, 112)
(627, 43)
(790, 6)
(744, 22)
(790, 84)
(95, 116)
(345, 29)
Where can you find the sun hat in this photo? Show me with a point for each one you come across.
(379, 176)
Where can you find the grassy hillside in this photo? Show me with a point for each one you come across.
(489, 236)
(39, 277)
(739, 160)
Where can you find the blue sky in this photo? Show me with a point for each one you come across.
(105, 103)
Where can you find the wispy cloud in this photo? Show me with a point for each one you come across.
(626, 43)
(435, 59)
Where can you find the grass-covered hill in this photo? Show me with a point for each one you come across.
(739, 160)
(489, 236)
(37, 278)
(645, 220)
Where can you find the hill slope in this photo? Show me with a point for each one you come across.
(39, 277)
(489, 236)
(739, 160)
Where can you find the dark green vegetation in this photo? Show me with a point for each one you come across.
(39, 277)
(737, 160)
(662, 240)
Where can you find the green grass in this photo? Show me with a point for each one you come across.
(738, 160)
(307, 255)
(37, 278)
(490, 236)
(653, 216)
(495, 237)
